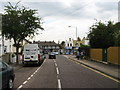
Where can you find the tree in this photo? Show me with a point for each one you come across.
(117, 34)
(102, 35)
(82, 45)
(62, 45)
(19, 23)
(78, 38)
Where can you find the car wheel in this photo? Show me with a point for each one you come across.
(10, 83)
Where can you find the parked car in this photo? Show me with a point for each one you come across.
(52, 55)
(6, 76)
(32, 54)
(56, 53)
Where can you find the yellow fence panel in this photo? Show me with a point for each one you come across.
(114, 55)
(96, 54)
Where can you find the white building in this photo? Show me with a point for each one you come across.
(6, 46)
(68, 46)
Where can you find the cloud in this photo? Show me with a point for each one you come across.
(106, 6)
(59, 14)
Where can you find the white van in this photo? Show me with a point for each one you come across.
(32, 54)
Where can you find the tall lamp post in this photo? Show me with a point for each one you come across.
(76, 30)
(76, 45)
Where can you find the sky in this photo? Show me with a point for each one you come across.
(57, 15)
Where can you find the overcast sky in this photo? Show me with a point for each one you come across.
(57, 15)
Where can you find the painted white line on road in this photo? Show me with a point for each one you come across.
(20, 87)
(37, 69)
(29, 78)
(54, 60)
(25, 82)
(56, 64)
(34, 73)
(57, 71)
(59, 84)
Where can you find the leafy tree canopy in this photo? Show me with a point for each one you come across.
(117, 34)
(101, 35)
(19, 23)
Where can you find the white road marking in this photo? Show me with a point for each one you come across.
(20, 87)
(29, 78)
(54, 61)
(37, 69)
(59, 84)
(57, 71)
(25, 82)
(34, 73)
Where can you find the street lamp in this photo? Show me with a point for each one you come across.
(76, 30)
(76, 45)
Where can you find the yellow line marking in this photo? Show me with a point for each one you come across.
(96, 71)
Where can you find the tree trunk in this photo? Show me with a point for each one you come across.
(17, 51)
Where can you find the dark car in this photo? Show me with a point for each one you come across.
(6, 76)
(52, 55)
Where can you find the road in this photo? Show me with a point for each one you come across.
(61, 73)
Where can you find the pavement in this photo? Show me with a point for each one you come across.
(109, 69)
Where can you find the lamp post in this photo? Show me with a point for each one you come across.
(76, 45)
(75, 29)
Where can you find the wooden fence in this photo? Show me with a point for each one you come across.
(112, 55)
(96, 54)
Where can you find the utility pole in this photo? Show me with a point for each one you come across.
(76, 30)
(119, 11)
(76, 44)
(3, 46)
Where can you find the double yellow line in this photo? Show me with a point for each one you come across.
(116, 80)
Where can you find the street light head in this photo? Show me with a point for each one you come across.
(69, 26)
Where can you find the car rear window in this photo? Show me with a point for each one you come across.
(27, 50)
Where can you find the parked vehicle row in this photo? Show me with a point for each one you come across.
(32, 54)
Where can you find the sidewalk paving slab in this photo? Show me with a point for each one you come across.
(111, 70)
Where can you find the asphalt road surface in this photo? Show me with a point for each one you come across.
(61, 73)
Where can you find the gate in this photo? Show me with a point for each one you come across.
(104, 55)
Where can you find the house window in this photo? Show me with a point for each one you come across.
(70, 44)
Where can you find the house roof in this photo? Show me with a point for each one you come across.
(47, 43)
